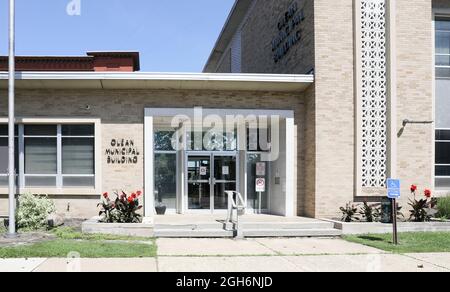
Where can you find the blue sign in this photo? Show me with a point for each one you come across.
(393, 186)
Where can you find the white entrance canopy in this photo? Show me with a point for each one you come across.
(174, 81)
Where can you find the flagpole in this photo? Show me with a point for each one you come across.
(11, 121)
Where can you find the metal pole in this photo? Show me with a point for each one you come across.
(394, 222)
(11, 120)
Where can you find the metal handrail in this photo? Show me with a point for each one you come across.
(239, 205)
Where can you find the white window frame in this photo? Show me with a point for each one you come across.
(58, 189)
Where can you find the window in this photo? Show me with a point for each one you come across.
(78, 155)
(442, 159)
(40, 152)
(4, 154)
(212, 140)
(165, 166)
(58, 155)
(442, 47)
(258, 139)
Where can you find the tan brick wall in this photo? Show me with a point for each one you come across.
(329, 141)
(261, 28)
(415, 93)
(334, 105)
(307, 195)
(122, 116)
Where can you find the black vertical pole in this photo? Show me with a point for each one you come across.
(394, 221)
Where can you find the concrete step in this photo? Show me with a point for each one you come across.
(322, 232)
(183, 233)
(288, 225)
(196, 226)
(248, 225)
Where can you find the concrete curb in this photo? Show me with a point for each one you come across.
(358, 228)
(125, 229)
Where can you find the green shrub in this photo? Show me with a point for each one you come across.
(32, 211)
(443, 207)
(349, 213)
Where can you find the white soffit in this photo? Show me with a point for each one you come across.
(174, 81)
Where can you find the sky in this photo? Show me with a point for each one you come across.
(171, 35)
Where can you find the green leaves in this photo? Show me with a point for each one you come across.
(371, 213)
(422, 210)
(349, 212)
(33, 211)
(123, 210)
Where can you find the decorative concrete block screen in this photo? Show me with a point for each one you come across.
(373, 92)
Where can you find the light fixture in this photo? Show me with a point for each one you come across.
(406, 122)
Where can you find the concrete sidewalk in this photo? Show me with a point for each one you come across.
(253, 255)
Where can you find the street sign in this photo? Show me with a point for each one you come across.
(260, 185)
(393, 186)
(393, 190)
(261, 169)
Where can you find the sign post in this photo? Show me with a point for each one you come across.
(393, 186)
(260, 188)
(11, 122)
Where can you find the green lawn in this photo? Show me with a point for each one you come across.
(414, 242)
(88, 246)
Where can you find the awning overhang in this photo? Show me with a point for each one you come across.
(169, 81)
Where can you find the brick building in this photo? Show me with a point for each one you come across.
(338, 79)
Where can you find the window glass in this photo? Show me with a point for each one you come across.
(252, 175)
(165, 179)
(4, 154)
(443, 103)
(443, 135)
(78, 155)
(40, 156)
(258, 140)
(4, 130)
(77, 130)
(443, 42)
(40, 181)
(213, 141)
(442, 148)
(443, 24)
(443, 153)
(443, 170)
(164, 140)
(40, 130)
(78, 182)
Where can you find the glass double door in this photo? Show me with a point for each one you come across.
(208, 177)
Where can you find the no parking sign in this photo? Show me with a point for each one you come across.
(260, 185)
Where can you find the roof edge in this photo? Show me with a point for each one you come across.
(234, 20)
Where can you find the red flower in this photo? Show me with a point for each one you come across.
(130, 199)
(138, 193)
(134, 196)
(427, 193)
(413, 188)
